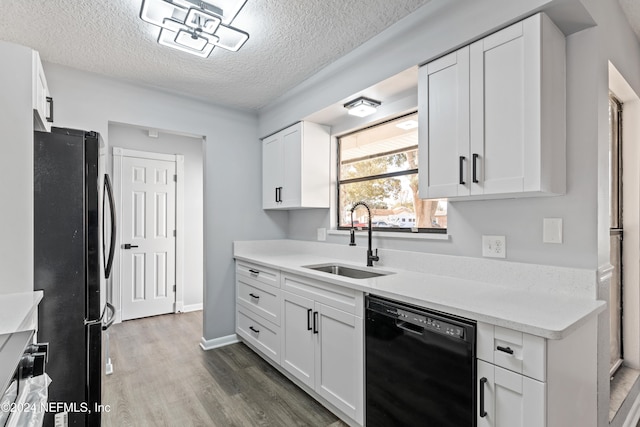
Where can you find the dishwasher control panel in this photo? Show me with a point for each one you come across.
(422, 319)
(429, 322)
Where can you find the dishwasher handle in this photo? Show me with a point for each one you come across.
(409, 327)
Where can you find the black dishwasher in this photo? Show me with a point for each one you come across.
(420, 366)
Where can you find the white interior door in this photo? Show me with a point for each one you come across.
(148, 243)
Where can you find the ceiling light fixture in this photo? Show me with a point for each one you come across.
(362, 106)
(195, 26)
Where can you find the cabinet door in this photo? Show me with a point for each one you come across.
(272, 175)
(40, 93)
(292, 167)
(509, 399)
(505, 108)
(298, 338)
(339, 360)
(444, 126)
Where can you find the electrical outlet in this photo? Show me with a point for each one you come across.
(494, 246)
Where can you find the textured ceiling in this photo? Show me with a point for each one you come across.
(290, 40)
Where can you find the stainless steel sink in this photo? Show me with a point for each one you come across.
(341, 270)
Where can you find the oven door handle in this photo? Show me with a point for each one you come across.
(409, 327)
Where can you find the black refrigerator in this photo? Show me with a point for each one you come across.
(74, 224)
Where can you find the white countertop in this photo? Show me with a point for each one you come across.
(16, 311)
(552, 316)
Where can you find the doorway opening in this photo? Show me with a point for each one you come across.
(624, 250)
(186, 153)
(616, 232)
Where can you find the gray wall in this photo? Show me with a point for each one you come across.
(137, 138)
(232, 167)
(428, 33)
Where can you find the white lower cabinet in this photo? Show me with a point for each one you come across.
(509, 399)
(322, 347)
(527, 381)
(313, 330)
(298, 340)
(261, 334)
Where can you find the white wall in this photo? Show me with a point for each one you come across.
(137, 138)
(232, 169)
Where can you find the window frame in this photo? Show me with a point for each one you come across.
(339, 182)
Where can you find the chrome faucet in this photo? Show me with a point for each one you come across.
(370, 256)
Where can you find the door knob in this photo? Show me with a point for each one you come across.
(129, 246)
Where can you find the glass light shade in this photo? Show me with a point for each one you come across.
(361, 107)
(362, 110)
(168, 38)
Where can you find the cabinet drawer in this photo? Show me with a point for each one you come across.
(512, 350)
(345, 299)
(260, 333)
(259, 298)
(259, 273)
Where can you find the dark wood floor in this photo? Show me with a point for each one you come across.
(162, 378)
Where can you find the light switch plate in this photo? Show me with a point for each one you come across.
(322, 234)
(552, 230)
(494, 246)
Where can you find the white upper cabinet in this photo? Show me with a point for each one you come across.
(42, 100)
(492, 116)
(296, 167)
(444, 126)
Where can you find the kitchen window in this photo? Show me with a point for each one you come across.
(379, 165)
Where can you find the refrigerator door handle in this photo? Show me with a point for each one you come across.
(108, 263)
(111, 317)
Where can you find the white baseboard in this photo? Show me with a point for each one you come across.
(634, 414)
(218, 342)
(191, 307)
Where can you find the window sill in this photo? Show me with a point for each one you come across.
(392, 235)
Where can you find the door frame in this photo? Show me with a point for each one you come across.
(116, 285)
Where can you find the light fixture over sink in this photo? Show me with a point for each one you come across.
(362, 107)
(195, 26)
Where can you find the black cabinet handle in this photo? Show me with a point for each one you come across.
(279, 194)
(315, 322)
(129, 246)
(309, 319)
(461, 169)
(277, 191)
(507, 350)
(483, 413)
(257, 331)
(254, 296)
(475, 168)
(254, 272)
(50, 102)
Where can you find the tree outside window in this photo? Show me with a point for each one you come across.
(379, 165)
